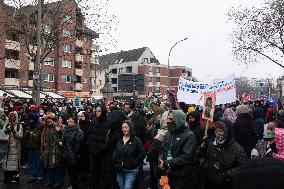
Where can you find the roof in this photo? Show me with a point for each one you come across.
(120, 57)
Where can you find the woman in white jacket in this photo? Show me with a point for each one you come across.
(11, 161)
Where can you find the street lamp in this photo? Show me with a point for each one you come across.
(169, 60)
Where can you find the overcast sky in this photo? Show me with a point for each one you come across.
(158, 24)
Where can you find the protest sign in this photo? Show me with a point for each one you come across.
(209, 106)
(192, 92)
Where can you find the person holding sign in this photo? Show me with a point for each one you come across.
(222, 157)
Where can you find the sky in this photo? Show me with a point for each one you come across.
(158, 24)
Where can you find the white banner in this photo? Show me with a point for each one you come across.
(192, 92)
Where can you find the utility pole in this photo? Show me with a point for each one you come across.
(37, 74)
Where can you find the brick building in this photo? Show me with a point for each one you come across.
(66, 52)
(141, 61)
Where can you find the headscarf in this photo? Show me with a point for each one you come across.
(230, 115)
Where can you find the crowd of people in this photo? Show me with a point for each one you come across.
(108, 144)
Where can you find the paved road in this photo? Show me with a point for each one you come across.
(25, 185)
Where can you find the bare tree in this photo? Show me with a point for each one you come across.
(21, 21)
(258, 33)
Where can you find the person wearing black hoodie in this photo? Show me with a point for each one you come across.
(72, 138)
(194, 125)
(97, 143)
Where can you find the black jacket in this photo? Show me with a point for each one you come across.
(182, 144)
(129, 156)
(72, 138)
(97, 134)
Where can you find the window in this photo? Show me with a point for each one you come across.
(78, 79)
(114, 71)
(47, 29)
(157, 79)
(157, 89)
(100, 72)
(12, 54)
(67, 48)
(11, 73)
(66, 33)
(150, 79)
(100, 81)
(157, 69)
(12, 36)
(67, 18)
(145, 60)
(48, 61)
(66, 63)
(129, 69)
(78, 65)
(66, 78)
(113, 80)
(31, 74)
(120, 70)
(150, 69)
(48, 77)
(150, 89)
(85, 80)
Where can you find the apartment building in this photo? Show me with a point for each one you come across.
(68, 61)
(135, 62)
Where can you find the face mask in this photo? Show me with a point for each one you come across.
(171, 126)
(220, 138)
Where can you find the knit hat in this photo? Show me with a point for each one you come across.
(190, 109)
(159, 110)
(242, 109)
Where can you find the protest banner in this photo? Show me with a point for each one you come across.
(192, 92)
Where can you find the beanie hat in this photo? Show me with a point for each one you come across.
(242, 109)
(190, 109)
(159, 110)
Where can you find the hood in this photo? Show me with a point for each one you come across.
(179, 118)
(16, 115)
(228, 130)
(230, 114)
(196, 115)
(104, 111)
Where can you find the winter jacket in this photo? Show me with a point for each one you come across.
(34, 138)
(97, 134)
(182, 145)
(3, 120)
(139, 125)
(258, 115)
(221, 160)
(245, 133)
(129, 156)
(72, 139)
(12, 159)
(50, 150)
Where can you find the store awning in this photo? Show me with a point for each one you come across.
(2, 92)
(20, 93)
(42, 96)
(54, 95)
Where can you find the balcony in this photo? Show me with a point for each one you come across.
(79, 72)
(12, 81)
(31, 65)
(78, 86)
(79, 58)
(10, 63)
(79, 43)
(14, 45)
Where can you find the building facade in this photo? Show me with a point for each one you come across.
(65, 63)
(140, 61)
